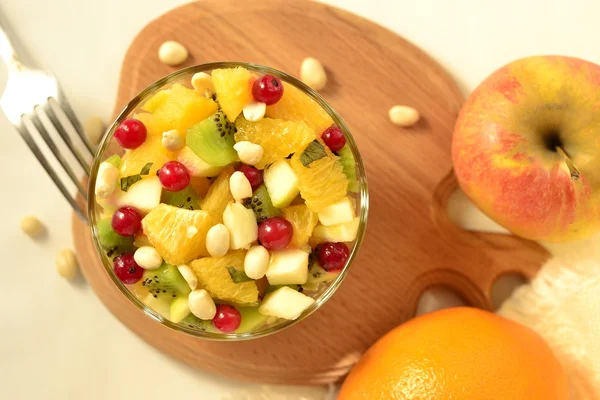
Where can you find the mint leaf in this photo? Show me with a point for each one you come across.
(313, 152)
(127, 181)
(238, 276)
(146, 169)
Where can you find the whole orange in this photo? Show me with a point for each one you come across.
(458, 354)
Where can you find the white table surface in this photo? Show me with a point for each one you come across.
(57, 340)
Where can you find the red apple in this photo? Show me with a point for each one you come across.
(526, 147)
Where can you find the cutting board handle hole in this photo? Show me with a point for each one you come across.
(504, 286)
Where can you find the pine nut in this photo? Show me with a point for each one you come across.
(256, 262)
(254, 111)
(248, 152)
(217, 240)
(107, 180)
(203, 83)
(403, 115)
(189, 276)
(172, 53)
(173, 140)
(313, 74)
(147, 257)
(31, 226)
(94, 129)
(66, 264)
(240, 186)
(202, 305)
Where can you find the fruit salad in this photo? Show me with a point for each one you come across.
(232, 203)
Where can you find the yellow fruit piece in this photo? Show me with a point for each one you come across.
(278, 138)
(233, 90)
(149, 121)
(298, 106)
(323, 182)
(303, 220)
(150, 152)
(141, 240)
(178, 108)
(177, 234)
(214, 277)
(156, 101)
(200, 184)
(218, 196)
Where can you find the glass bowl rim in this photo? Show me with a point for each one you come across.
(173, 78)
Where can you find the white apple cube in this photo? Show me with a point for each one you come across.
(195, 165)
(285, 303)
(345, 232)
(281, 183)
(288, 267)
(337, 213)
(242, 225)
(143, 195)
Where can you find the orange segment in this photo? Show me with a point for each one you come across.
(150, 152)
(303, 220)
(233, 88)
(323, 182)
(176, 233)
(278, 138)
(218, 196)
(298, 106)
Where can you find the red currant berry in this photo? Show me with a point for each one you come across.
(227, 319)
(131, 134)
(334, 138)
(275, 233)
(254, 176)
(333, 256)
(267, 89)
(126, 221)
(127, 269)
(174, 176)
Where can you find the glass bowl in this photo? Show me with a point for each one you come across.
(108, 147)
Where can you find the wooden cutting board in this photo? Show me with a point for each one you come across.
(410, 243)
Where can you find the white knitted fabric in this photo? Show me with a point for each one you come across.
(562, 304)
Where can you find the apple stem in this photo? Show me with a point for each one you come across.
(572, 169)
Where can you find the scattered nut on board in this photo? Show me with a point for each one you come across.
(313, 74)
(66, 264)
(172, 53)
(403, 115)
(32, 226)
(94, 129)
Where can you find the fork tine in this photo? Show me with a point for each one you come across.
(49, 170)
(44, 133)
(47, 107)
(66, 107)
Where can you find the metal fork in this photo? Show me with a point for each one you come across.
(31, 93)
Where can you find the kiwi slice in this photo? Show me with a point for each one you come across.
(261, 204)
(114, 160)
(111, 241)
(166, 282)
(179, 309)
(186, 198)
(193, 322)
(317, 276)
(212, 140)
(251, 319)
(160, 305)
(349, 164)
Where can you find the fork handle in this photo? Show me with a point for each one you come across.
(7, 48)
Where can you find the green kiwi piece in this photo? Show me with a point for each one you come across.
(111, 241)
(251, 319)
(165, 281)
(349, 164)
(160, 305)
(261, 204)
(317, 276)
(114, 160)
(179, 309)
(212, 140)
(186, 198)
(193, 322)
